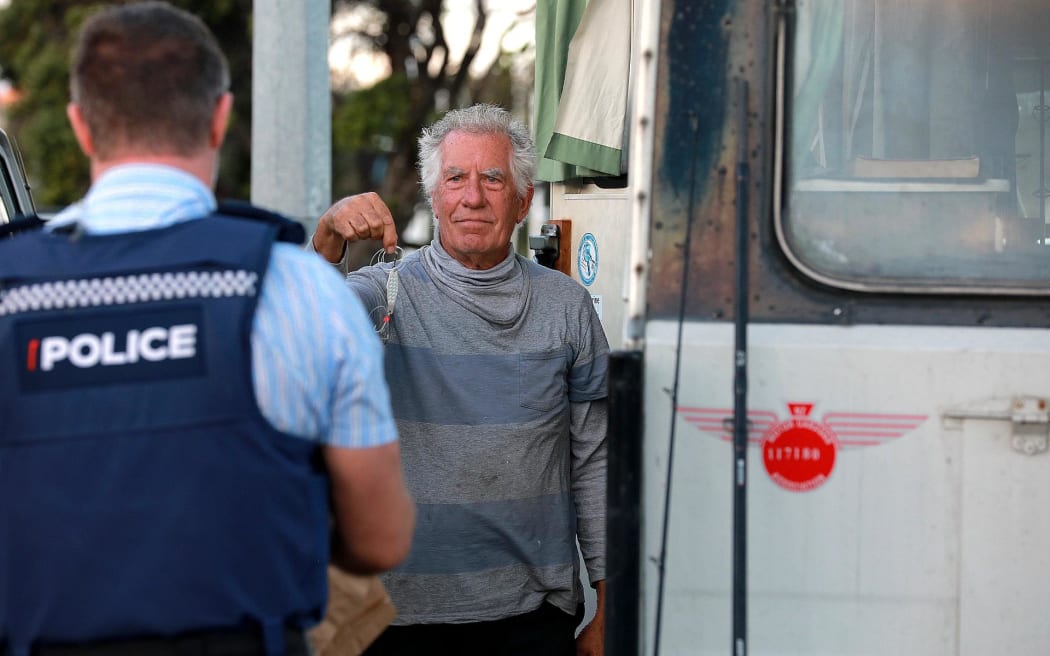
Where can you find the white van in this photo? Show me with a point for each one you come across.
(826, 264)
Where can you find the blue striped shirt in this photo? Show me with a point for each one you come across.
(316, 362)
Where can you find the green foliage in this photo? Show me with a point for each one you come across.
(497, 87)
(36, 38)
(369, 119)
(34, 55)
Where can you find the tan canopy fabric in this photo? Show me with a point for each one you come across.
(580, 121)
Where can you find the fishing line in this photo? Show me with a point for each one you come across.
(381, 315)
(684, 295)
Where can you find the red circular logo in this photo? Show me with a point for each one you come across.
(799, 454)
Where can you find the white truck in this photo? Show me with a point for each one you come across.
(825, 264)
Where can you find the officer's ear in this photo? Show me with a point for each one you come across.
(80, 129)
(220, 119)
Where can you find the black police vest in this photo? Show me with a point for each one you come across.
(142, 493)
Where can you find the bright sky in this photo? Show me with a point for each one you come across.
(357, 67)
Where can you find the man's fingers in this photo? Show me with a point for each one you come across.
(364, 216)
(389, 238)
(385, 229)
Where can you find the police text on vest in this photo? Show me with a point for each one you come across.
(153, 344)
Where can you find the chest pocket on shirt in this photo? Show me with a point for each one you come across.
(542, 379)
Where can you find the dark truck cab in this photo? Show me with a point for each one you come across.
(17, 203)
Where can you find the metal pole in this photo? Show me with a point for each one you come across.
(740, 382)
(291, 109)
(1042, 192)
(643, 127)
(624, 488)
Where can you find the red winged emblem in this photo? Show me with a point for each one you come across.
(798, 452)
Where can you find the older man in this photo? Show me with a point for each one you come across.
(497, 369)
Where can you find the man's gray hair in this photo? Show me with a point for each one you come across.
(478, 119)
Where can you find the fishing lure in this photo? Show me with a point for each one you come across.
(392, 284)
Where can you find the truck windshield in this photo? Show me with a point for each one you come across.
(916, 144)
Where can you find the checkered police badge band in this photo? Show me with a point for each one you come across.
(122, 290)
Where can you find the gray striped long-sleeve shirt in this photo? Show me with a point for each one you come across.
(498, 385)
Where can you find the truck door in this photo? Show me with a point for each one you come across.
(897, 348)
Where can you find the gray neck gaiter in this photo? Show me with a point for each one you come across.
(497, 295)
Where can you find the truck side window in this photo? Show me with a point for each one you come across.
(916, 145)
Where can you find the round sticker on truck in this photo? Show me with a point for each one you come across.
(799, 453)
(587, 259)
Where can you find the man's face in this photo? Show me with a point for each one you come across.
(475, 201)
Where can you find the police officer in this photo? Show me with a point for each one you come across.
(181, 414)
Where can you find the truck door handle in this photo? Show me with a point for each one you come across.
(1029, 418)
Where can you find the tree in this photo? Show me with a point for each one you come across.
(36, 39)
(375, 128)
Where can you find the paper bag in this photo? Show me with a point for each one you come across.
(359, 609)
